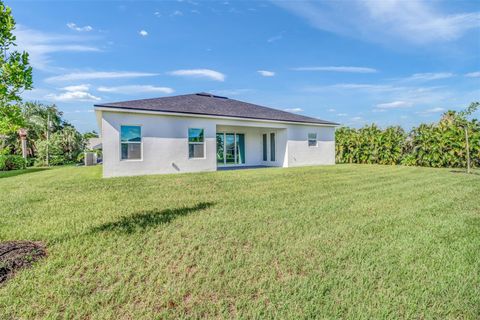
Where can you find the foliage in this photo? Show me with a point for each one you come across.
(10, 119)
(64, 144)
(63, 147)
(12, 162)
(90, 134)
(343, 242)
(441, 144)
(369, 145)
(15, 74)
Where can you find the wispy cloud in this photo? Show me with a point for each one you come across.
(475, 74)
(88, 75)
(143, 33)
(353, 86)
(394, 105)
(429, 76)
(276, 37)
(293, 110)
(338, 69)
(40, 45)
(415, 21)
(132, 89)
(177, 13)
(266, 73)
(74, 93)
(199, 73)
(431, 111)
(74, 27)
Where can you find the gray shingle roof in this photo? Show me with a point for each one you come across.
(208, 104)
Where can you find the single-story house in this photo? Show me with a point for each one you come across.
(94, 144)
(205, 132)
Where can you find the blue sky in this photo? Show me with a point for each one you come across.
(354, 62)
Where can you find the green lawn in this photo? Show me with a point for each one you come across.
(347, 241)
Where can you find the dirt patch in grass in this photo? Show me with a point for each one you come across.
(15, 255)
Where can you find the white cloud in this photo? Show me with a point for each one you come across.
(199, 73)
(354, 86)
(177, 13)
(40, 45)
(73, 26)
(132, 89)
(331, 110)
(276, 38)
(338, 69)
(78, 76)
(342, 114)
(432, 110)
(429, 76)
(143, 33)
(266, 73)
(78, 87)
(74, 93)
(415, 21)
(473, 74)
(394, 105)
(293, 110)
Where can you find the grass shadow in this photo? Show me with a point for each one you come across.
(465, 172)
(148, 219)
(13, 173)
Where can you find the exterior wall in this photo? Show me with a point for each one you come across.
(300, 154)
(165, 143)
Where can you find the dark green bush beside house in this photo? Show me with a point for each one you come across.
(12, 162)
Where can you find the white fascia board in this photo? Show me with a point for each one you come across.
(192, 115)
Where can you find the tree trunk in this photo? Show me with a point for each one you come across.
(468, 149)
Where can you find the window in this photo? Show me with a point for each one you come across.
(272, 146)
(131, 142)
(312, 139)
(196, 143)
(265, 147)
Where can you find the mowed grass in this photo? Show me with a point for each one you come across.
(346, 241)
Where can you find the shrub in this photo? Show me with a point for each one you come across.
(12, 162)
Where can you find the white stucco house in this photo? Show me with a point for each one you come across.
(205, 132)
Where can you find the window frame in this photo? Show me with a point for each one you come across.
(196, 143)
(132, 142)
(273, 146)
(309, 139)
(265, 146)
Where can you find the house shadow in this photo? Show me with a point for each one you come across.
(13, 173)
(148, 219)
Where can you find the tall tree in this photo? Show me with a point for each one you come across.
(463, 122)
(15, 74)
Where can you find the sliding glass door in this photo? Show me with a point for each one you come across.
(230, 149)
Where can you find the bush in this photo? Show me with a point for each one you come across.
(441, 144)
(12, 162)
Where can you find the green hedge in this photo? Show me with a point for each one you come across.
(442, 144)
(12, 162)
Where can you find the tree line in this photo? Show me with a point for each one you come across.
(30, 133)
(450, 142)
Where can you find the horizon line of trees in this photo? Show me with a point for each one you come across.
(453, 142)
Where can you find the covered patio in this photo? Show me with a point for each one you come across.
(249, 147)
